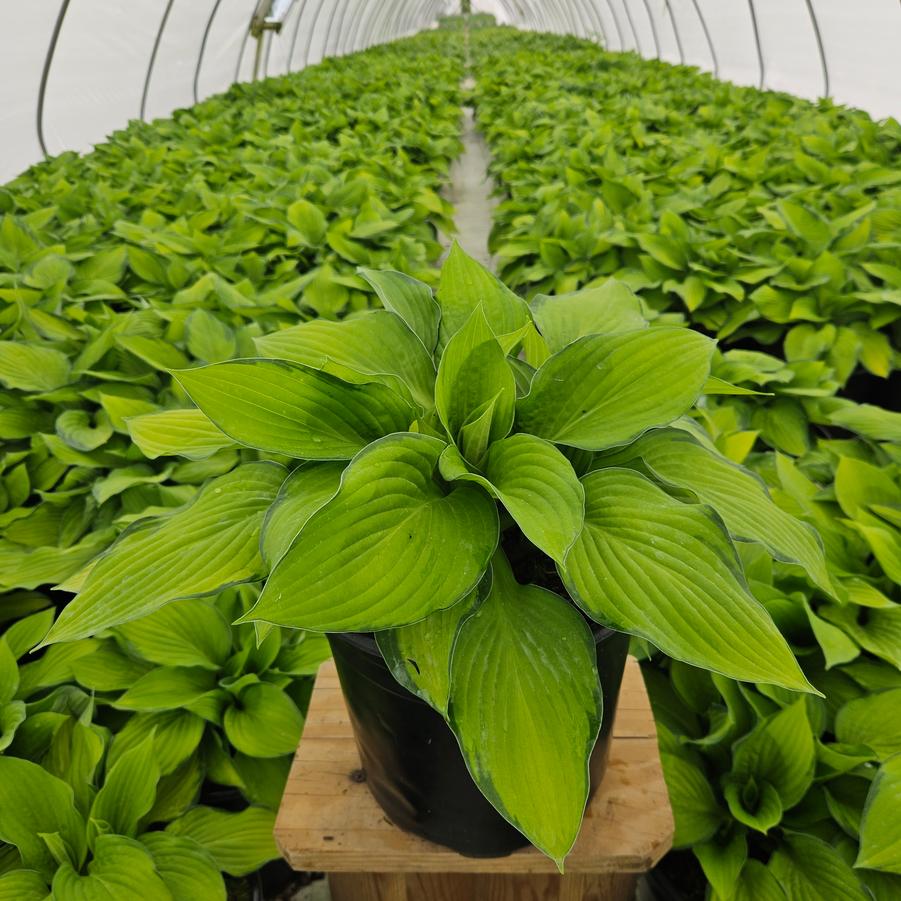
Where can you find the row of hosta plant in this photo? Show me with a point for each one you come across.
(183, 242)
(779, 797)
(178, 243)
(762, 216)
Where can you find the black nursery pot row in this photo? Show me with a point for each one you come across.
(413, 763)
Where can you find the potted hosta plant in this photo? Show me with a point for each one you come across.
(478, 490)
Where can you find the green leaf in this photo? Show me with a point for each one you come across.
(23, 885)
(722, 862)
(419, 655)
(75, 428)
(239, 842)
(525, 698)
(129, 790)
(120, 868)
(811, 870)
(602, 391)
(464, 286)
(756, 883)
(209, 338)
(167, 688)
(663, 249)
(211, 544)
(608, 309)
(874, 721)
(9, 673)
(695, 809)
(806, 225)
(410, 299)
(388, 549)
(754, 804)
(860, 485)
(739, 497)
(30, 367)
(473, 376)
(780, 750)
(537, 485)
(33, 802)
(286, 408)
(647, 564)
(307, 489)
(377, 344)
(308, 221)
(263, 722)
(188, 871)
(183, 433)
(177, 734)
(880, 829)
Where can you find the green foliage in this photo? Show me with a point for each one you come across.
(755, 214)
(174, 244)
(771, 223)
(454, 486)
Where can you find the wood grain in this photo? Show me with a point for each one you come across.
(330, 822)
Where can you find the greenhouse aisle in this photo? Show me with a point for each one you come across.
(470, 190)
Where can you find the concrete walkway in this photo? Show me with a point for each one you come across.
(469, 190)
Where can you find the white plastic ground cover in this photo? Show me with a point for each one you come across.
(98, 78)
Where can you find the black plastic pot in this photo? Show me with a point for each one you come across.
(412, 762)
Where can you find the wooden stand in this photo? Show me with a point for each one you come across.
(329, 821)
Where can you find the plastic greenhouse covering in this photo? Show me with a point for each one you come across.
(74, 70)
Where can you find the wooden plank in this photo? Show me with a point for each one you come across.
(328, 821)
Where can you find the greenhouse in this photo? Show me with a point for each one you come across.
(450, 451)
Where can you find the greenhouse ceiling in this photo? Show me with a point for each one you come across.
(75, 70)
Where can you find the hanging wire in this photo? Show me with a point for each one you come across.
(202, 51)
(241, 54)
(676, 35)
(632, 26)
(716, 62)
(756, 30)
(820, 46)
(153, 53)
(653, 28)
(303, 9)
(45, 72)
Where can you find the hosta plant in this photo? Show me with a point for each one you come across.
(467, 484)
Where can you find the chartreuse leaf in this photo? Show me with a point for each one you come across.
(239, 842)
(189, 872)
(388, 549)
(30, 367)
(880, 828)
(464, 286)
(737, 495)
(722, 861)
(177, 734)
(755, 804)
(264, 721)
(378, 344)
(211, 544)
(695, 809)
(120, 868)
(474, 378)
(419, 655)
(191, 634)
(129, 790)
(537, 485)
(308, 221)
(755, 883)
(650, 565)
(307, 489)
(167, 688)
(183, 433)
(282, 407)
(602, 391)
(23, 885)
(811, 870)
(874, 721)
(34, 802)
(525, 705)
(609, 309)
(780, 750)
(410, 299)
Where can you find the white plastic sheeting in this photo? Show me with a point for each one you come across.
(116, 60)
